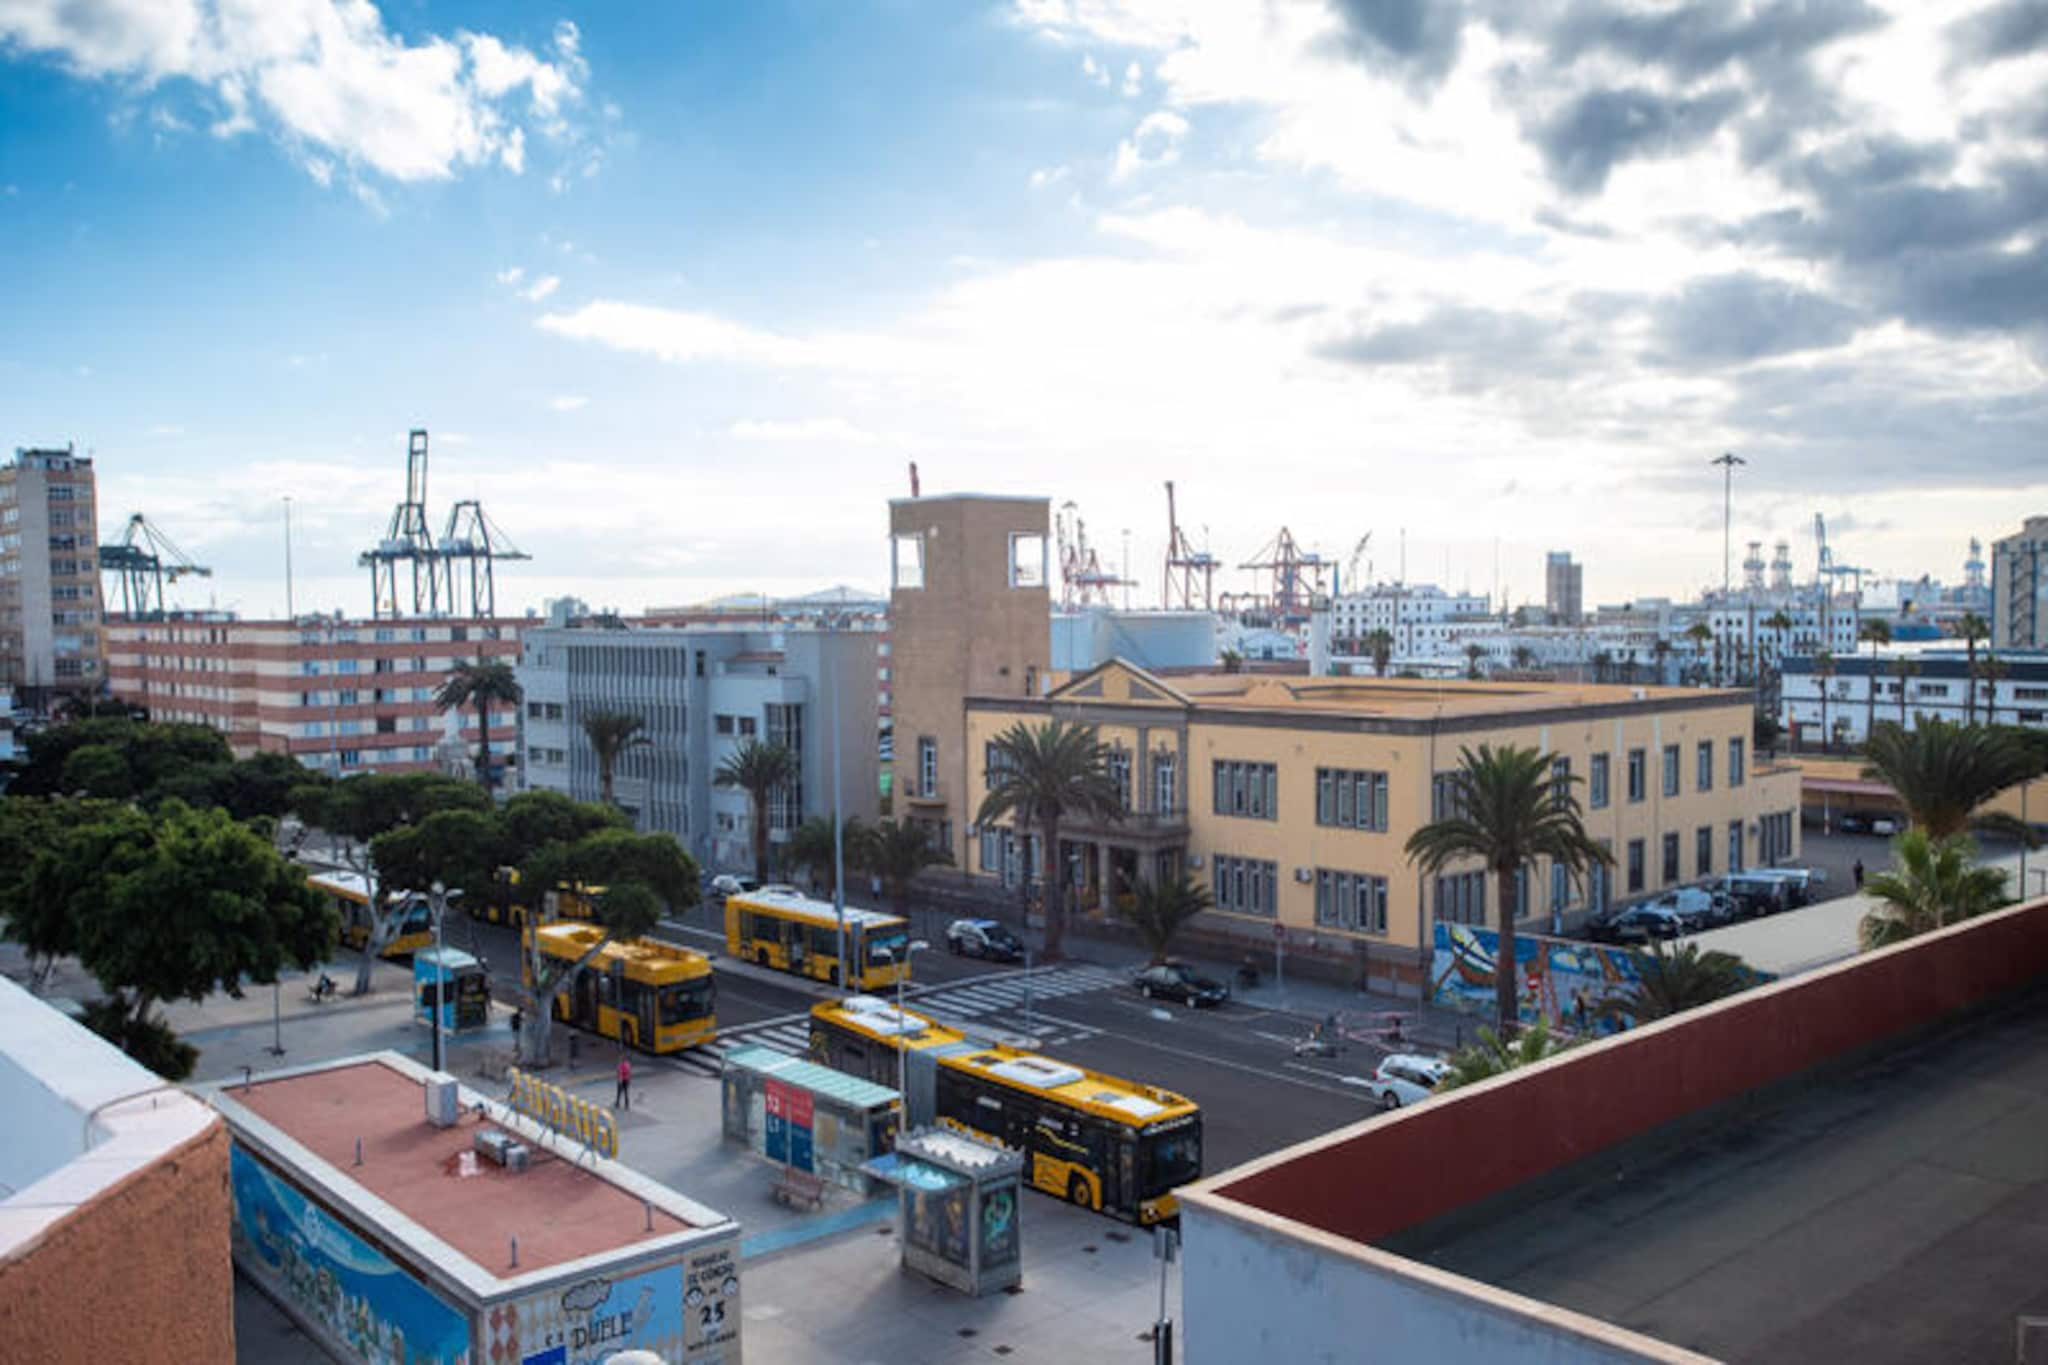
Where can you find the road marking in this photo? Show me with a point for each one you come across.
(1274, 1037)
(1208, 1060)
(1332, 1075)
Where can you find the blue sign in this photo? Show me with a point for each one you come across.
(364, 1301)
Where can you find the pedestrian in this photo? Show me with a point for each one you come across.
(1857, 873)
(623, 1099)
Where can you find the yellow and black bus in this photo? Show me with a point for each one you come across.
(790, 932)
(509, 904)
(350, 893)
(1107, 1144)
(648, 995)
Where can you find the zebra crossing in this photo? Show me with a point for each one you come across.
(963, 1004)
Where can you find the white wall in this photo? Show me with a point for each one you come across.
(1251, 1294)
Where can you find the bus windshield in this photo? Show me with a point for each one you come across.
(687, 1000)
(1172, 1158)
(885, 946)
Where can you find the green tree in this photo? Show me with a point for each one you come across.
(356, 810)
(98, 770)
(1510, 806)
(534, 819)
(1160, 910)
(1701, 636)
(1671, 981)
(1039, 776)
(897, 852)
(1933, 882)
(757, 769)
(612, 735)
(1876, 634)
(1972, 628)
(644, 876)
(484, 684)
(1990, 668)
(42, 924)
(1491, 1055)
(1379, 642)
(1473, 654)
(153, 753)
(1943, 773)
(260, 785)
(810, 847)
(459, 848)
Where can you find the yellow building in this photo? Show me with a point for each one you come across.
(1293, 797)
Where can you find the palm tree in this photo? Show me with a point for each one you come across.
(1990, 668)
(1781, 627)
(1662, 649)
(1904, 668)
(1380, 642)
(1039, 776)
(483, 684)
(1490, 1056)
(612, 734)
(1524, 657)
(1877, 633)
(1473, 654)
(1972, 628)
(1933, 882)
(757, 769)
(1158, 911)
(896, 852)
(810, 846)
(1602, 660)
(1701, 634)
(1823, 671)
(1942, 772)
(1510, 807)
(1671, 981)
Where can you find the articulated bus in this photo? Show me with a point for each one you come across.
(1103, 1143)
(647, 995)
(509, 904)
(793, 933)
(351, 896)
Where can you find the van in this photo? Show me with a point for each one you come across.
(1756, 894)
(1798, 883)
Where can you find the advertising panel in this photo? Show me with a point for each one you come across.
(1561, 980)
(687, 1313)
(789, 1117)
(367, 1304)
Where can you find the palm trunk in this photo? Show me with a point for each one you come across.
(483, 742)
(604, 779)
(1970, 683)
(1826, 741)
(1055, 892)
(1506, 1000)
(761, 835)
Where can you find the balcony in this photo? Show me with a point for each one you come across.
(1152, 826)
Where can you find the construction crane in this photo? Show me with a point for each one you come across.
(146, 560)
(1351, 569)
(467, 550)
(1083, 580)
(1184, 563)
(409, 551)
(1296, 578)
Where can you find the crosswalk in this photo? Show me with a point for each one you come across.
(994, 1004)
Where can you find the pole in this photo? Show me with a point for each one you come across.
(1727, 461)
(289, 614)
(902, 1047)
(1027, 987)
(838, 822)
(438, 898)
(277, 1009)
(1280, 964)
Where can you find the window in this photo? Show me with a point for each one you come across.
(1246, 886)
(1351, 799)
(347, 696)
(351, 757)
(310, 668)
(1735, 756)
(1671, 770)
(992, 848)
(533, 710)
(1635, 866)
(1703, 851)
(1351, 900)
(724, 725)
(1461, 898)
(1248, 789)
(1600, 881)
(1119, 764)
(1735, 846)
(1596, 783)
(1670, 858)
(1027, 560)
(1444, 799)
(1636, 775)
(1561, 782)
(1165, 784)
(906, 557)
(345, 665)
(927, 766)
(1560, 888)
(382, 665)
(1704, 763)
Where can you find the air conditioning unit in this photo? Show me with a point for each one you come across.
(444, 1104)
(1302, 874)
(502, 1148)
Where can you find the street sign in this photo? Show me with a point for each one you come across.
(1279, 933)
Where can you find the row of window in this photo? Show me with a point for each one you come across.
(1246, 886)
(1350, 799)
(385, 635)
(1248, 789)
(1597, 794)
(1351, 900)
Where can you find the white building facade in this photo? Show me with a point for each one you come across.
(1910, 685)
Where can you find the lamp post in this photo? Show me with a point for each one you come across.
(832, 622)
(1728, 460)
(437, 901)
(910, 950)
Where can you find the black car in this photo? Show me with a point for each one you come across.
(984, 938)
(1178, 981)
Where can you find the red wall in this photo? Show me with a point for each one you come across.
(1428, 1161)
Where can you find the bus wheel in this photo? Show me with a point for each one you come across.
(761, 956)
(1077, 1192)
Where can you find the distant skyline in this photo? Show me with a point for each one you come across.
(680, 292)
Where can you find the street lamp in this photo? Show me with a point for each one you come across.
(437, 901)
(910, 950)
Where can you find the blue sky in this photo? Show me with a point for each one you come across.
(680, 291)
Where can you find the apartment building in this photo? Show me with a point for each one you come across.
(1564, 588)
(969, 615)
(704, 693)
(1904, 685)
(340, 695)
(2019, 588)
(1421, 618)
(1293, 797)
(50, 609)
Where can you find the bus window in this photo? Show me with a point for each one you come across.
(419, 919)
(825, 942)
(885, 947)
(1172, 1159)
(686, 1000)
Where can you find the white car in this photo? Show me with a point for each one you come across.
(1407, 1078)
(734, 884)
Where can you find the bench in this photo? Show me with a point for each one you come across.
(799, 1189)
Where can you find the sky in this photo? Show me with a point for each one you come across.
(681, 291)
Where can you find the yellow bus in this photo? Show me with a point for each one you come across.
(350, 893)
(508, 904)
(1103, 1143)
(648, 995)
(780, 928)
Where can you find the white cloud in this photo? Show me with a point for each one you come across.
(511, 274)
(1134, 80)
(1155, 142)
(330, 80)
(814, 429)
(541, 288)
(1094, 71)
(1048, 175)
(567, 402)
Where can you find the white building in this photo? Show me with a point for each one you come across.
(704, 693)
(1423, 619)
(1936, 682)
(2019, 588)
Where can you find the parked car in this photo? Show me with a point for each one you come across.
(1405, 1078)
(1641, 923)
(733, 884)
(984, 938)
(1178, 981)
(1754, 895)
(1694, 908)
(1797, 881)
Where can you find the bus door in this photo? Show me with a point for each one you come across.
(645, 998)
(584, 1011)
(795, 940)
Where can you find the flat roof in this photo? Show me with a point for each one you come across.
(560, 1211)
(1896, 1211)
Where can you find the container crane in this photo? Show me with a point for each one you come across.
(145, 559)
(1184, 564)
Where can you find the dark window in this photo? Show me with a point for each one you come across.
(1705, 766)
(1248, 886)
(1349, 799)
(1635, 865)
(1251, 790)
(1596, 783)
(1735, 757)
(1461, 898)
(1351, 900)
(1670, 858)
(1637, 761)
(1671, 770)
(1703, 851)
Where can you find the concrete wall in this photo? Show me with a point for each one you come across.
(1252, 1293)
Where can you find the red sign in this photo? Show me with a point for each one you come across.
(785, 1101)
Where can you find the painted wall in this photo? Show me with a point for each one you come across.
(1252, 1294)
(1449, 1150)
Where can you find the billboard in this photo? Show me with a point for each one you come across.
(684, 1312)
(367, 1303)
(1554, 977)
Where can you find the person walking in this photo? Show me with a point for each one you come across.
(1857, 873)
(623, 1098)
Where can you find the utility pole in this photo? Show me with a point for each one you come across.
(833, 623)
(289, 613)
(1728, 460)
